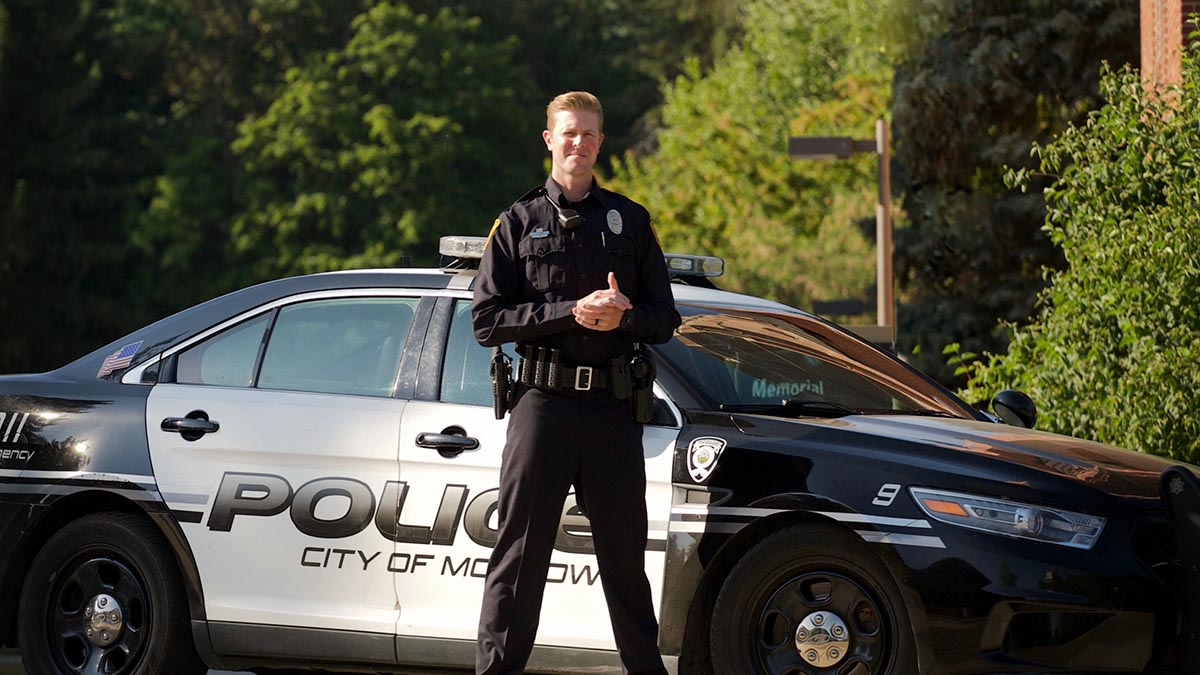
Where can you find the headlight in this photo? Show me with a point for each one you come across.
(1010, 518)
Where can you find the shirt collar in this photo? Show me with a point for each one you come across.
(554, 191)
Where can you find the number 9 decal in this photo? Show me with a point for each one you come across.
(887, 494)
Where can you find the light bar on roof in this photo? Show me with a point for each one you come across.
(694, 265)
(678, 264)
(462, 247)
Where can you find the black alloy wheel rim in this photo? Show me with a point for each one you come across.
(783, 605)
(86, 577)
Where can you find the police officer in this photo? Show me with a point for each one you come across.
(574, 275)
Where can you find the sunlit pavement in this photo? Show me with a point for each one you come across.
(10, 664)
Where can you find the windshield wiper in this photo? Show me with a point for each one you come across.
(792, 407)
(916, 412)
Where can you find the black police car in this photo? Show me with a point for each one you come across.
(302, 474)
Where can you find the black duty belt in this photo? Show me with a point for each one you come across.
(541, 368)
(627, 377)
(584, 378)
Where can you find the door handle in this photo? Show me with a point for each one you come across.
(450, 443)
(191, 427)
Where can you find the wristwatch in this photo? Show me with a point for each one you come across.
(627, 319)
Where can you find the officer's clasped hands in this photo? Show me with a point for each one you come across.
(601, 310)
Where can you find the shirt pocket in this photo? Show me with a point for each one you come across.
(546, 261)
(619, 255)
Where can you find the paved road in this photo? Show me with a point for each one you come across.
(10, 664)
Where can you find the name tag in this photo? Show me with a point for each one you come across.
(539, 234)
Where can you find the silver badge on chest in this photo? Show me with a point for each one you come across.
(615, 224)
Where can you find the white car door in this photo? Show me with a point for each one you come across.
(451, 497)
(280, 502)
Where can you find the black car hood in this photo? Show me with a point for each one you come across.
(1116, 471)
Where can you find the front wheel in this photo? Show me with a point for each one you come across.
(104, 597)
(810, 600)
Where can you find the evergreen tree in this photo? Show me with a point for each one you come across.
(970, 103)
(67, 182)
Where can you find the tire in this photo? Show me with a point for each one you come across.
(106, 558)
(820, 579)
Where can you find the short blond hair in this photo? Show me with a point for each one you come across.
(573, 100)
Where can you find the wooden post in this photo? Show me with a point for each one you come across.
(885, 309)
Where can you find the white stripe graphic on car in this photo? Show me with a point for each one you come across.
(695, 518)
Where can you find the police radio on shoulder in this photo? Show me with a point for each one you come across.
(459, 249)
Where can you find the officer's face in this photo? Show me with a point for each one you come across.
(575, 140)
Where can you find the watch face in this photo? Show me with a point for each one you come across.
(626, 319)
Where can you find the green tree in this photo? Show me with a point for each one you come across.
(972, 101)
(620, 50)
(217, 62)
(147, 165)
(67, 181)
(720, 180)
(1112, 352)
(418, 127)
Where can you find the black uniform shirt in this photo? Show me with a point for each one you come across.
(533, 270)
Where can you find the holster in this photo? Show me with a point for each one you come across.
(502, 382)
(621, 378)
(642, 372)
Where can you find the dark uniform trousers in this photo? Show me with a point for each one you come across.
(556, 440)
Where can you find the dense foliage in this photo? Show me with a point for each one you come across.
(1113, 350)
(366, 155)
(719, 179)
(971, 102)
(157, 154)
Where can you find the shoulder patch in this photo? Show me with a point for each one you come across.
(492, 233)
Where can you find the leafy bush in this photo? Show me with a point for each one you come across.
(1112, 353)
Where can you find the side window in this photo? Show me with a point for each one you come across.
(465, 376)
(342, 346)
(226, 358)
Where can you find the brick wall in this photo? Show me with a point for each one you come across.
(1162, 38)
(1165, 29)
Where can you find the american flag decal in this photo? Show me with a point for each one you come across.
(119, 359)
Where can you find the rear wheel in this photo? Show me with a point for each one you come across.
(103, 597)
(810, 600)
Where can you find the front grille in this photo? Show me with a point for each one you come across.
(1153, 543)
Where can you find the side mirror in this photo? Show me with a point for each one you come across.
(1015, 408)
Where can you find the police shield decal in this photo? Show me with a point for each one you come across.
(702, 457)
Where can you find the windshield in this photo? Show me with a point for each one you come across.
(794, 365)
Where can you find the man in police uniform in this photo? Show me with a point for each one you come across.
(575, 270)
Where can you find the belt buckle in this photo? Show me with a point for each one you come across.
(583, 373)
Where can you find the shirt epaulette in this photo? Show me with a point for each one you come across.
(532, 194)
(618, 198)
